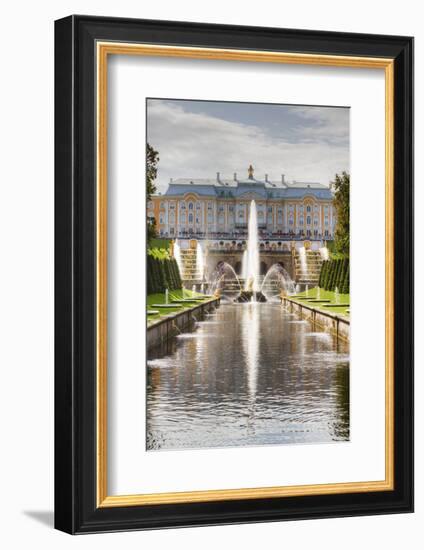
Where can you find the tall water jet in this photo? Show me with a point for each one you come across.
(177, 256)
(252, 256)
(244, 266)
(324, 253)
(200, 262)
(303, 261)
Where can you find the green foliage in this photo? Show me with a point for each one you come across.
(331, 247)
(160, 243)
(335, 274)
(162, 271)
(323, 274)
(152, 159)
(345, 286)
(341, 203)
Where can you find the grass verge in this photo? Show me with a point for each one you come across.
(338, 306)
(173, 295)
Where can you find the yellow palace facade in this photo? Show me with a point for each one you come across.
(219, 208)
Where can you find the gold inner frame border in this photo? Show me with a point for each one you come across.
(103, 50)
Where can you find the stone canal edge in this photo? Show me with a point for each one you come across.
(335, 324)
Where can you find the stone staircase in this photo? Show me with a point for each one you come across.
(310, 275)
(189, 271)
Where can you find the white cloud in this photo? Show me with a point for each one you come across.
(199, 145)
(325, 123)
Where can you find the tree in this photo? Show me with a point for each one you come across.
(152, 159)
(341, 184)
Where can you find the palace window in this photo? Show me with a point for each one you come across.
(270, 209)
(326, 220)
(198, 205)
(210, 217)
(301, 221)
(183, 218)
(171, 231)
(315, 221)
(210, 206)
(308, 208)
(162, 205)
(190, 218)
(231, 208)
(308, 220)
(172, 206)
(326, 232)
(161, 220)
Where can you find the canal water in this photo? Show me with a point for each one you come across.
(249, 374)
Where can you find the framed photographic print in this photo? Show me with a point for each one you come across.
(234, 257)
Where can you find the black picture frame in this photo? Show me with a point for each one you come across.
(76, 510)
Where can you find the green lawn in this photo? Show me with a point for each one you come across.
(312, 294)
(173, 295)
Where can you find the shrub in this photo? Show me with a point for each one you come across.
(335, 273)
(162, 272)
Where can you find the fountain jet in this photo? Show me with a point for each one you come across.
(224, 281)
(251, 269)
(177, 256)
(276, 283)
(200, 264)
(303, 261)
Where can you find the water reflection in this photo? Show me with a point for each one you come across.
(250, 343)
(249, 375)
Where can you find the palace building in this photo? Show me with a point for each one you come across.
(219, 208)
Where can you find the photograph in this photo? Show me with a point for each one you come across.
(247, 270)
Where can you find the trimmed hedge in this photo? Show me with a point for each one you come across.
(335, 274)
(162, 273)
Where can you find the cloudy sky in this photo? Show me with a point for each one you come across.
(196, 139)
